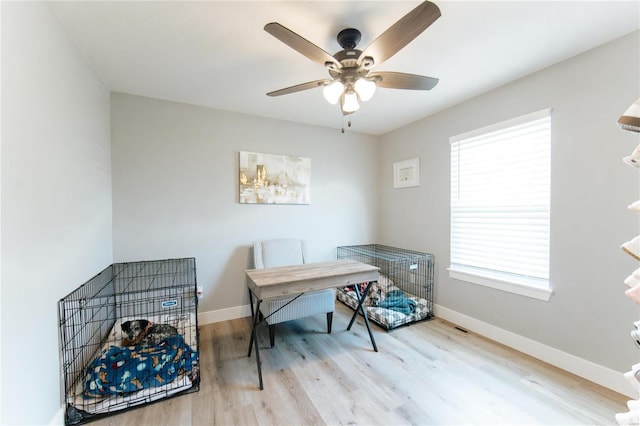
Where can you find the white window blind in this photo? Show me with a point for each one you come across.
(500, 183)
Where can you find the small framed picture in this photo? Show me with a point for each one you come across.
(406, 173)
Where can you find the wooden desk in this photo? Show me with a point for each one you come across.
(299, 279)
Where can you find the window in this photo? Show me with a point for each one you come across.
(500, 183)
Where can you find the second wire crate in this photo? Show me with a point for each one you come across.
(404, 291)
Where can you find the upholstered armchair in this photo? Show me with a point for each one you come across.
(287, 252)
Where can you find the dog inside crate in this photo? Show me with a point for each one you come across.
(129, 336)
(124, 368)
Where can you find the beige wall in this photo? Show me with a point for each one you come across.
(56, 200)
(175, 190)
(588, 315)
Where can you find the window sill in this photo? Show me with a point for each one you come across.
(523, 289)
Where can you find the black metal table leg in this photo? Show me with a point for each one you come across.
(255, 338)
(254, 320)
(355, 312)
(251, 302)
(255, 313)
(360, 308)
(254, 341)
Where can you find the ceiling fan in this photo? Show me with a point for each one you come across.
(350, 69)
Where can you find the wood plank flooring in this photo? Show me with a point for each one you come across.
(428, 373)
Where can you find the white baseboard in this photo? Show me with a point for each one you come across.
(596, 373)
(210, 317)
(58, 418)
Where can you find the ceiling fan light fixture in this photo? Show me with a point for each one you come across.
(333, 91)
(365, 89)
(630, 120)
(350, 103)
(349, 81)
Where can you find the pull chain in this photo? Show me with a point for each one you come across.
(348, 124)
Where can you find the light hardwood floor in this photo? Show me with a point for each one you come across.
(426, 373)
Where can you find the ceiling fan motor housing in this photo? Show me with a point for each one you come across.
(349, 38)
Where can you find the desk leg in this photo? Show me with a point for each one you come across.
(255, 313)
(254, 341)
(254, 316)
(251, 302)
(360, 308)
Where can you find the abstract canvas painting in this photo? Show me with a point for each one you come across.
(274, 179)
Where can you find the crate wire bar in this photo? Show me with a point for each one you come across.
(404, 291)
(90, 320)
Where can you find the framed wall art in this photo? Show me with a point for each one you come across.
(406, 173)
(274, 179)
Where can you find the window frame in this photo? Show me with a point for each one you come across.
(537, 288)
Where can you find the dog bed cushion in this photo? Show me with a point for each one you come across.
(401, 308)
(109, 402)
(120, 370)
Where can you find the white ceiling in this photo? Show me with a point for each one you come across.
(216, 53)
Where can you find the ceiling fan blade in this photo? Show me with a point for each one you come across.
(299, 87)
(401, 33)
(400, 80)
(300, 44)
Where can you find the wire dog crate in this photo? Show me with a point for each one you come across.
(129, 336)
(404, 291)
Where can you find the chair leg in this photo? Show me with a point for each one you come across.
(272, 334)
(329, 321)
